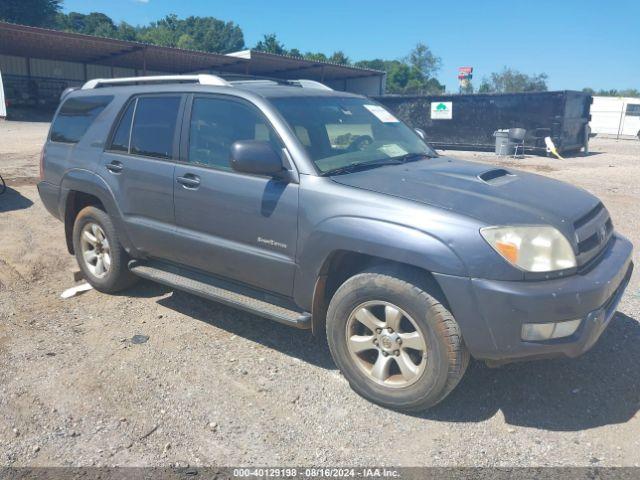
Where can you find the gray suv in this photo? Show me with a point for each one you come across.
(321, 210)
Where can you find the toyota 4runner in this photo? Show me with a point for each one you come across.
(321, 210)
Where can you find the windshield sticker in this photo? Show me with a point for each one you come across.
(392, 150)
(381, 114)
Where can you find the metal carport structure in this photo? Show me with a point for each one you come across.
(37, 64)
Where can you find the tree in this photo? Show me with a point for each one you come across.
(37, 13)
(512, 81)
(629, 92)
(202, 33)
(340, 58)
(271, 44)
(315, 57)
(195, 33)
(423, 60)
(415, 74)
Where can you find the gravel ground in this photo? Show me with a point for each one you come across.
(214, 386)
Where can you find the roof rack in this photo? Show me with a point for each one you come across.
(203, 79)
(302, 83)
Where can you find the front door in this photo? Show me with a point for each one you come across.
(242, 227)
(138, 166)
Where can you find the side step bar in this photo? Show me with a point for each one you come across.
(222, 291)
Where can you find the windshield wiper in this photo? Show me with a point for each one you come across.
(355, 167)
(411, 157)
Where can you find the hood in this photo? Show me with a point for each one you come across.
(493, 195)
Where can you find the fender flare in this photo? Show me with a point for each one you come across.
(376, 238)
(88, 182)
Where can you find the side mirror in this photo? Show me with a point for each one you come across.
(421, 133)
(256, 157)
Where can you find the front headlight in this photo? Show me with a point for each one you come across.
(531, 248)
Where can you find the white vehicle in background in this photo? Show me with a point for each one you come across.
(3, 105)
(616, 116)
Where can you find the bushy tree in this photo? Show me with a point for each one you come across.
(423, 60)
(629, 92)
(512, 81)
(94, 23)
(37, 13)
(271, 44)
(415, 74)
(340, 58)
(196, 33)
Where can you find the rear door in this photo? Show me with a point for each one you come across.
(138, 165)
(243, 227)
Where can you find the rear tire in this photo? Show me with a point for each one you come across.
(418, 355)
(100, 256)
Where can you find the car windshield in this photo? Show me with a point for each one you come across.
(342, 133)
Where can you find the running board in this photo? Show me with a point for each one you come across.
(222, 291)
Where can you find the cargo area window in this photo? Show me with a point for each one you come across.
(76, 116)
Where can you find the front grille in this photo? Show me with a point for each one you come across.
(593, 231)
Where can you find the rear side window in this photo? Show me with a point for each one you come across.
(154, 126)
(120, 142)
(76, 116)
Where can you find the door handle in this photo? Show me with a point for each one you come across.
(115, 166)
(189, 180)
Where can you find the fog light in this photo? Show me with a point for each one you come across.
(533, 332)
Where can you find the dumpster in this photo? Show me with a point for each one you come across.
(469, 121)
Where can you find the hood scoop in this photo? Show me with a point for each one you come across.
(497, 176)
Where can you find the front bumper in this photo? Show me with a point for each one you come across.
(491, 312)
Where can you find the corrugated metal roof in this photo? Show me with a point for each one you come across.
(44, 43)
(285, 66)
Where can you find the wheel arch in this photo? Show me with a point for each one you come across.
(82, 188)
(341, 265)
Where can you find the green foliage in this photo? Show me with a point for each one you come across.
(628, 92)
(340, 58)
(37, 13)
(414, 75)
(422, 60)
(513, 81)
(271, 44)
(195, 33)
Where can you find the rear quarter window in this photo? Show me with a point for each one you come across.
(76, 116)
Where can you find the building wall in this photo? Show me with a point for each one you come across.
(370, 86)
(38, 82)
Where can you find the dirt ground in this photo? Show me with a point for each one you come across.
(214, 386)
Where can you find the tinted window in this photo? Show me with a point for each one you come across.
(120, 140)
(217, 123)
(76, 116)
(633, 110)
(154, 126)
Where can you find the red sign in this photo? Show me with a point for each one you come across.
(465, 72)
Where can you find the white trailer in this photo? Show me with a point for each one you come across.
(3, 105)
(615, 117)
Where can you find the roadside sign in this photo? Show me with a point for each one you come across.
(465, 73)
(441, 110)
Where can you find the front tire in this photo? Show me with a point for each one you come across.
(100, 256)
(396, 344)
